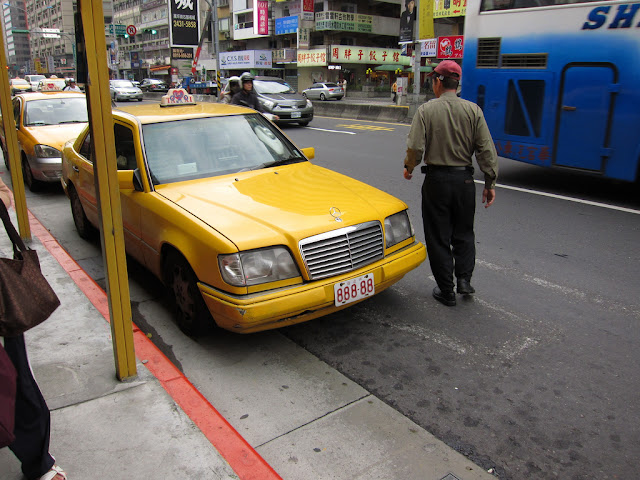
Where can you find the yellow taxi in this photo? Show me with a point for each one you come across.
(45, 121)
(19, 85)
(236, 221)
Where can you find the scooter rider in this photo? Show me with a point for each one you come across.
(234, 87)
(247, 97)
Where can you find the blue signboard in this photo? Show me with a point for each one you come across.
(286, 25)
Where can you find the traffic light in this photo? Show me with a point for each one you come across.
(152, 31)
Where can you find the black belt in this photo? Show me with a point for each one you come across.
(426, 168)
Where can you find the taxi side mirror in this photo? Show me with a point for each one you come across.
(130, 180)
(309, 152)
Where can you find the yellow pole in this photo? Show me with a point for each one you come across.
(11, 141)
(106, 178)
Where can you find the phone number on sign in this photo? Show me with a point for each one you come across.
(182, 23)
(354, 289)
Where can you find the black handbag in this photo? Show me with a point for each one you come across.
(26, 298)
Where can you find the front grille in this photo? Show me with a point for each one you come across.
(342, 250)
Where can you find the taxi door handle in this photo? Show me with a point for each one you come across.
(568, 108)
(75, 169)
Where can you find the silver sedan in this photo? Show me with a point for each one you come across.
(324, 91)
(124, 90)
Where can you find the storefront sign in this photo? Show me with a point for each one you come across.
(245, 59)
(184, 29)
(369, 55)
(344, 21)
(182, 53)
(284, 55)
(303, 37)
(286, 25)
(316, 57)
(450, 47)
(429, 48)
(261, 26)
(449, 8)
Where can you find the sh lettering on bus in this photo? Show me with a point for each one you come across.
(623, 17)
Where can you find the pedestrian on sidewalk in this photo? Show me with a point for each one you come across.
(32, 417)
(448, 130)
(344, 86)
(394, 90)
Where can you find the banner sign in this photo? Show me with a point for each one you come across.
(184, 29)
(245, 59)
(450, 47)
(429, 47)
(449, 8)
(316, 57)
(286, 25)
(302, 8)
(344, 21)
(369, 55)
(407, 21)
(261, 26)
(284, 55)
(181, 53)
(425, 20)
(134, 57)
(303, 37)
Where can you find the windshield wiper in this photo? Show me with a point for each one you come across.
(277, 163)
(72, 121)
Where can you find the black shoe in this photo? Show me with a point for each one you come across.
(446, 298)
(465, 288)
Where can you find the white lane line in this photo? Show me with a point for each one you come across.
(562, 197)
(330, 131)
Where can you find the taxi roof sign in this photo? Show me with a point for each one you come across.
(177, 96)
(50, 87)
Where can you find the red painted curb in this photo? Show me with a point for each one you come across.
(242, 458)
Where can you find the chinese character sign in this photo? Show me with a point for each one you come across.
(261, 26)
(184, 23)
(449, 8)
(316, 57)
(286, 25)
(450, 47)
(425, 19)
(429, 47)
(354, 54)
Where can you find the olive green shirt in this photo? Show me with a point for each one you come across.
(448, 131)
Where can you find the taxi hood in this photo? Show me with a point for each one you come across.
(55, 135)
(280, 205)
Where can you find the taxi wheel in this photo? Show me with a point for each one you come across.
(83, 226)
(33, 184)
(192, 312)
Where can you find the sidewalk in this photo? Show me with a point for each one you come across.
(160, 426)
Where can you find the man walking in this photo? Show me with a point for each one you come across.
(448, 131)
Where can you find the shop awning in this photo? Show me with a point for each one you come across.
(423, 69)
(388, 68)
(159, 68)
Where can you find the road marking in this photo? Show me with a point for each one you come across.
(330, 131)
(562, 197)
(358, 126)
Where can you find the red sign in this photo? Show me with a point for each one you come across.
(307, 6)
(450, 47)
(131, 30)
(263, 18)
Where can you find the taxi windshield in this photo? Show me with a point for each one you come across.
(55, 111)
(208, 147)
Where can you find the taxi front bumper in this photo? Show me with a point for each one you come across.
(283, 307)
(45, 169)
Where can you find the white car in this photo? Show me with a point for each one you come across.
(34, 80)
(124, 90)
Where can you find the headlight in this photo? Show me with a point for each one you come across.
(397, 228)
(309, 104)
(45, 151)
(257, 266)
(268, 103)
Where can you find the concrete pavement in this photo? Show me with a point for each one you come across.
(277, 413)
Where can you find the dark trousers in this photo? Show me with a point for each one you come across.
(448, 211)
(31, 445)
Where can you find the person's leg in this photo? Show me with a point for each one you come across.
(436, 218)
(463, 238)
(31, 445)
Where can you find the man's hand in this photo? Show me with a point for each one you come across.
(488, 196)
(406, 174)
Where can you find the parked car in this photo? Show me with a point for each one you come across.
(278, 98)
(19, 85)
(124, 90)
(45, 121)
(238, 223)
(34, 80)
(324, 91)
(153, 85)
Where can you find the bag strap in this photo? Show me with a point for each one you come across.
(11, 230)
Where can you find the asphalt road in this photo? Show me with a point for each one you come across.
(535, 376)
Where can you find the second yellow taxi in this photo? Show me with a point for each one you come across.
(238, 223)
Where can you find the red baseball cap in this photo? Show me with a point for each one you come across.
(447, 68)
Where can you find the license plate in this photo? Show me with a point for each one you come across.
(354, 289)
(296, 114)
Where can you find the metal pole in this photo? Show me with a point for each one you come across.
(416, 55)
(216, 43)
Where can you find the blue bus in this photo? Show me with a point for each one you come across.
(558, 81)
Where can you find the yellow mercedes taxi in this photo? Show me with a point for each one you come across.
(236, 221)
(45, 121)
(19, 85)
